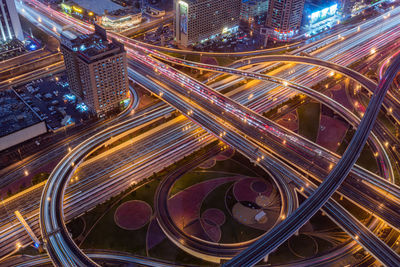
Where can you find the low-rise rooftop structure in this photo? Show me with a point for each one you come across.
(18, 122)
(99, 7)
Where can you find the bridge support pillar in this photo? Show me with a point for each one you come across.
(266, 258)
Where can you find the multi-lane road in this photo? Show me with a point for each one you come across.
(221, 131)
(217, 104)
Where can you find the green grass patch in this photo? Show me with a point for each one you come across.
(309, 116)
(40, 177)
(194, 177)
(239, 164)
(76, 226)
(319, 223)
(366, 159)
(106, 234)
(304, 245)
(225, 61)
(359, 213)
(232, 231)
(387, 122)
(282, 255)
(193, 57)
(167, 250)
(133, 241)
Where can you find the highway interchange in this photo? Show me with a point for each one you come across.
(203, 114)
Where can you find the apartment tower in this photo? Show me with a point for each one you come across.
(96, 69)
(284, 17)
(199, 20)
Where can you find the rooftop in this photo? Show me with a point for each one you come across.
(15, 115)
(91, 47)
(316, 5)
(98, 6)
(69, 34)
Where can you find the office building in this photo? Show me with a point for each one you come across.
(253, 11)
(199, 20)
(96, 69)
(284, 18)
(10, 26)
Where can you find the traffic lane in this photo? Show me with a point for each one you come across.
(311, 166)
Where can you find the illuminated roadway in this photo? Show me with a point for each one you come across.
(370, 85)
(237, 144)
(286, 229)
(60, 147)
(109, 257)
(54, 230)
(87, 192)
(335, 106)
(209, 120)
(362, 194)
(351, 117)
(327, 101)
(60, 246)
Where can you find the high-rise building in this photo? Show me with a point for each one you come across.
(253, 9)
(10, 26)
(347, 5)
(200, 20)
(284, 17)
(96, 68)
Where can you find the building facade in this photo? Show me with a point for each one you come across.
(198, 20)
(319, 16)
(347, 6)
(284, 18)
(10, 26)
(120, 22)
(251, 9)
(96, 69)
(106, 13)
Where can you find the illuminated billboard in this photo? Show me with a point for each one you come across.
(323, 14)
(183, 17)
(77, 9)
(66, 8)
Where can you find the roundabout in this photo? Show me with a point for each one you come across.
(202, 218)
